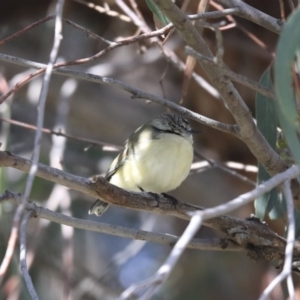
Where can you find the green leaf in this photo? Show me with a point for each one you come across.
(266, 115)
(286, 53)
(157, 12)
(266, 118)
(288, 45)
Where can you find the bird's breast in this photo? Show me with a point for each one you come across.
(157, 165)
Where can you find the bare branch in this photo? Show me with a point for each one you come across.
(165, 239)
(215, 14)
(246, 233)
(225, 167)
(243, 199)
(105, 10)
(38, 136)
(250, 35)
(241, 113)
(252, 14)
(170, 55)
(233, 76)
(232, 129)
(135, 19)
(23, 250)
(59, 133)
(43, 20)
(23, 30)
(165, 270)
(287, 267)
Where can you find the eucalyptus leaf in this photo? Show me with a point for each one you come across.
(160, 16)
(287, 48)
(266, 117)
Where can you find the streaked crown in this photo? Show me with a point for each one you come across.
(173, 123)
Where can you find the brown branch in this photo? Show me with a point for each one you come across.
(232, 75)
(136, 93)
(248, 130)
(167, 239)
(112, 46)
(104, 10)
(23, 253)
(23, 30)
(59, 133)
(259, 240)
(241, 113)
(38, 134)
(51, 17)
(254, 15)
(251, 36)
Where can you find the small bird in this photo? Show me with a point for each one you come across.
(157, 157)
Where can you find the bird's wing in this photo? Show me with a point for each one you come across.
(117, 163)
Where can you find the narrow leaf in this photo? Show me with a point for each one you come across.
(266, 118)
(157, 12)
(286, 51)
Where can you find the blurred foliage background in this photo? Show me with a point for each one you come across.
(74, 264)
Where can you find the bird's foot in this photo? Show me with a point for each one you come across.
(156, 196)
(173, 199)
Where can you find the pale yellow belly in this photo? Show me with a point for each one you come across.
(159, 166)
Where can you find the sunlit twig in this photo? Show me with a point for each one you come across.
(287, 267)
(23, 251)
(105, 146)
(136, 93)
(37, 142)
(148, 287)
(129, 233)
(233, 76)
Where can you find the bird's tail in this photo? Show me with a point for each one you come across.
(98, 208)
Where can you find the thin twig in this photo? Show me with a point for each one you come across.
(254, 15)
(152, 283)
(112, 45)
(282, 13)
(215, 14)
(234, 23)
(252, 137)
(232, 129)
(161, 205)
(50, 17)
(23, 250)
(190, 62)
(233, 76)
(111, 147)
(198, 217)
(23, 30)
(131, 14)
(56, 155)
(37, 142)
(131, 250)
(136, 10)
(129, 233)
(287, 267)
(88, 32)
(105, 10)
(226, 168)
(68, 136)
(245, 198)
